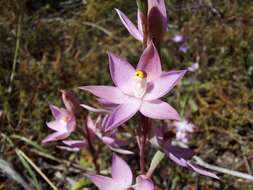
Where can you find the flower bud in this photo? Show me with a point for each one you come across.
(70, 101)
(157, 21)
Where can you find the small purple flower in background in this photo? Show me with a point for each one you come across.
(183, 128)
(157, 19)
(64, 124)
(179, 155)
(122, 178)
(194, 67)
(138, 90)
(181, 43)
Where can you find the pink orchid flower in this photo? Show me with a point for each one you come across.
(96, 130)
(122, 178)
(157, 18)
(138, 89)
(179, 155)
(64, 124)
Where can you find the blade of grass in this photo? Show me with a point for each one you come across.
(16, 54)
(29, 169)
(37, 169)
(29, 142)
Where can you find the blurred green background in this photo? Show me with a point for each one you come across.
(63, 44)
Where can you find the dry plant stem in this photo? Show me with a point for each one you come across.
(92, 150)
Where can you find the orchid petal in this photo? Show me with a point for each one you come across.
(180, 161)
(150, 63)
(104, 183)
(109, 93)
(55, 137)
(158, 109)
(162, 85)
(121, 172)
(71, 125)
(105, 103)
(55, 111)
(122, 73)
(143, 182)
(130, 26)
(121, 114)
(57, 125)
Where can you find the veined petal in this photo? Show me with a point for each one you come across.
(121, 172)
(130, 26)
(162, 85)
(122, 73)
(143, 182)
(55, 137)
(150, 63)
(109, 93)
(103, 182)
(158, 109)
(121, 114)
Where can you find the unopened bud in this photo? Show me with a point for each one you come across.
(70, 101)
(157, 21)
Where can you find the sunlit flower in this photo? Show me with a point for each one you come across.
(122, 178)
(138, 89)
(64, 124)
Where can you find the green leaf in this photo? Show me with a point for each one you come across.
(157, 158)
(80, 184)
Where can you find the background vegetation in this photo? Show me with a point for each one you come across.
(63, 44)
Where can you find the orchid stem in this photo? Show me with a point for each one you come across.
(92, 150)
(142, 134)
